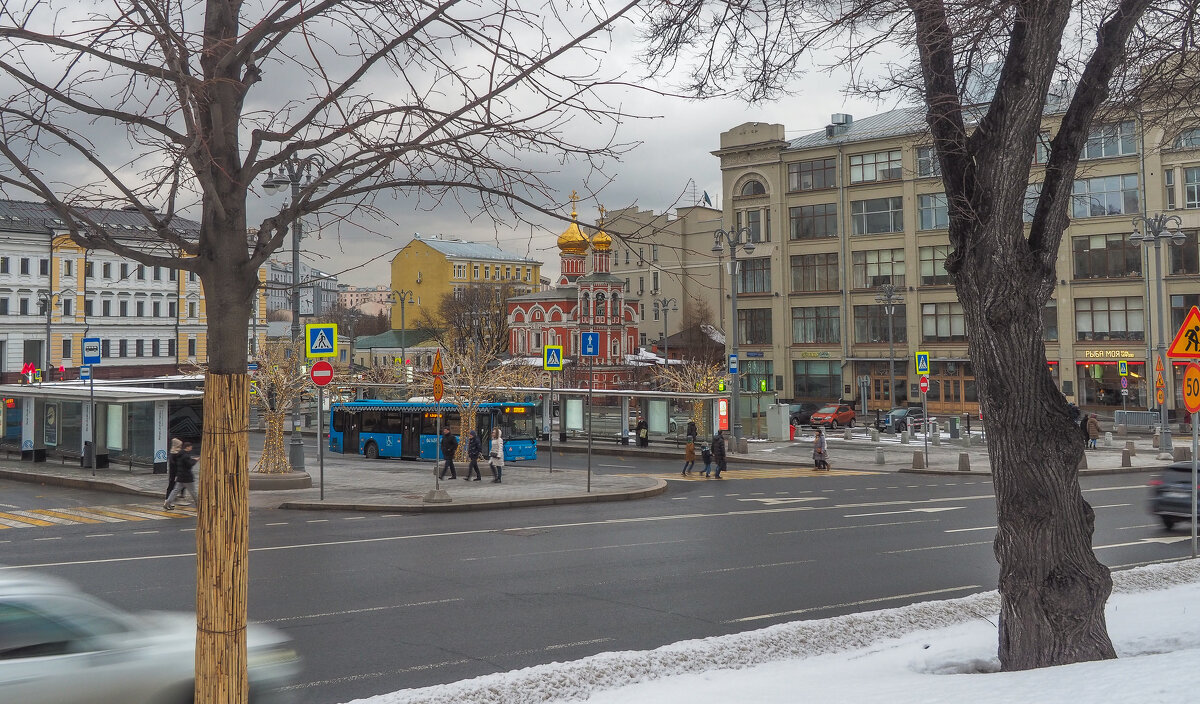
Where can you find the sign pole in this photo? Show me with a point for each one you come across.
(92, 416)
(550, 423)
(1191, 401)
(321, 436)
(591, 382)
(927, 425)
(1195, 476)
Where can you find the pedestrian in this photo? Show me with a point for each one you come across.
(706, 455)
(496, 456)
(172, 463)
(820, 451)
(449, 447)
(1083, 428)
(718, 452)
(185, 480)
(474, 452)
(643, 433)
(691, 432)
(1093, 430)
(689, 458)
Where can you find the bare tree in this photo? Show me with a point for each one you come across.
(171, 107)
(985, 72)
(279, 384)
(693, 377)
(476, 314)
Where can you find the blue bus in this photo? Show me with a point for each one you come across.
(408, 429)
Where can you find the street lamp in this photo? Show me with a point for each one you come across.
(889, 298)
(733, 239)
(665, 304)
(300, 174)
(1157, 229)
(46, 303)
(402, 297)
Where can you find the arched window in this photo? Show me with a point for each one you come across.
(616, 347)
(587, 304)
(599, 305)
(753, 188)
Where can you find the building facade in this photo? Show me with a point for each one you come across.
(318, 290)
(431, 267)
(838, 213)
(355, 296)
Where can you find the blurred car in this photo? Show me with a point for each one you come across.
(902, 419)
(801, 413)
(833, 417)
(1171, 494)
(59, 646)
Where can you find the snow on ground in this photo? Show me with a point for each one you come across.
(926, 653)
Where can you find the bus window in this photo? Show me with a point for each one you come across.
(429, 423)
(370, 421)
(517, 424)
(339, 421)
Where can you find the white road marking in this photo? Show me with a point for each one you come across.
(619, 466)
(145, 532)
(965, 530)
(359, 611)
(1144, 525)
(756, 567)
(99, 535)
(854, 527)
(59, 538)
(771, 501)
(284, 523)
(855, 603)
(909, 510)
(353, 518)
(1144, 541)
(1112, 505)
(569, 550)
(935, 547)
(1140, 487)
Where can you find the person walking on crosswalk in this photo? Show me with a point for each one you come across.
(185, 480)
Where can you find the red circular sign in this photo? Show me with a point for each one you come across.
(924, 385)
(1191, 387)
(321, 372)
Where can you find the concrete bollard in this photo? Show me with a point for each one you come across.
(846, 435)
(879, 455)
(742, 446)
(1126, 460)
(964, 462)
(918, 460)
(966, 440)
(936, 439)
(874, 435)
(905, 437)
(1130, 447)
(1108, 440)
(1122, 430)
(1182, 453)
(1155, 440)
(1082, 462)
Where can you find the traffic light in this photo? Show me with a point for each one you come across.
(762, 385)
(721, 385)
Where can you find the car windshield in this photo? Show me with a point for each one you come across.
(828, 409)
(897, 412)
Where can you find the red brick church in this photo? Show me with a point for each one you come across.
(580, 302)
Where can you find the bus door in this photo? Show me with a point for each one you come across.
(351, 422)
(410, 440)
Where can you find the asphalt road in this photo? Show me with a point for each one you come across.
(379, 602)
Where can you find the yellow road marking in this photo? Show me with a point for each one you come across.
(112, 514)
(23, 520)
(68, 516)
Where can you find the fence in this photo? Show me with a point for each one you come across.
(1137, 419)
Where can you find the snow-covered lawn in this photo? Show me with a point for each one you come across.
(927, 653)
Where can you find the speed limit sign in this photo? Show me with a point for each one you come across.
(1191, 387)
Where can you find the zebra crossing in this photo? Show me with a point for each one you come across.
(84, 515)
(771, 473)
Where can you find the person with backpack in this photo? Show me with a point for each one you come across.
(474, 452)
(185, 480)
(449, 447)
(820, 451)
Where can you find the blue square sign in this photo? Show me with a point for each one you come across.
(91, 350)
(589, 344)
(321, 339)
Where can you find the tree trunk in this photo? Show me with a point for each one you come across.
(1052, 587)
(274, 457)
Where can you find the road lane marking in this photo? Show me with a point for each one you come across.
(853, 527)
(1112, 505)
(772, 501)
(1144, 525)
(60, 513)
(1146, 541)
(757, 567)
(365, 610)
(936, 547)
(861, 602)
(16, 520)
(569, 550)
(910, 510)
(965, 530)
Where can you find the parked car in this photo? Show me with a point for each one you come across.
(801, 413)
(59, 645)
(833, 417)
(902, 419)
(1171, 494)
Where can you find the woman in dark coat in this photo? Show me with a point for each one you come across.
(474, 452)
(643, 433)
(718, 452)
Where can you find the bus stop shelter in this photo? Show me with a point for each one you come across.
(105, 424)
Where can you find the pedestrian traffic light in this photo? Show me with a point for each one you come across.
(762, 385)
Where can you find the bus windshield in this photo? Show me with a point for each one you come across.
(518, 424)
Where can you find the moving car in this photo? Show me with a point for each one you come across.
(59, 646)
(1171, 494)
(833, 417)
(801, 413)
(902, 419)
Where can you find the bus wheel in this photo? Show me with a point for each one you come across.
(371, 451)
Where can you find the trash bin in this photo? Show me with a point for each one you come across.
(953, 428)
(89, 453)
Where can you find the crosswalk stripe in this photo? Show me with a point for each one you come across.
(59, 513)
(17, 521)
(79, 515)
(140, 513)
(86, 517)
(38, 516)
(781, 473)
(113, 514)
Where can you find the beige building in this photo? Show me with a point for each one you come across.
(355, 296)
(838, 213)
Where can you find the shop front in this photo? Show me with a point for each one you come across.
(1100, 386)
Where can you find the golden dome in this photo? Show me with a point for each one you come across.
(572, 241)
(601, 242)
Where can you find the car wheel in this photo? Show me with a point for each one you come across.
(1168, 521)
(371, 451)
(901, 427)
(850, 424)
(833, 425)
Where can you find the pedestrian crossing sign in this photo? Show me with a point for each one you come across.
(321, 339)
(1123, 367)
(923, 363)
(552, 358)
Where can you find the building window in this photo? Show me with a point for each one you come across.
(816, 381)
(1180, 305)
(141, 274)
(815, 272)
(140, 307)
(754, 275)
(753, 188)
(1191, 187)
(875, 267)
(1041, 153)
(759, 222)
(1169, 188)
(157, 276)
(154, 348)
(933, 265)
(25, 266)
(1183, 259)
(171, 347)
(139, 348)
(4, 265)
(943, 322)
(1050, 321)
(106, 270)
(87, 307)
(809, 222)
(653, 252)
(191, 309)
(507, 273)
(68, 268)
(123, 308)
(192, 347)
(124, 270)
(928, 165)
(1105, 257)
(878, 166)
(653, 281)
(106, 308)
(754, 372)
(1110, 140)
(1033, 192)
(754, 326)
(170, 309)
(68, 306)
(871, 324)
(1109, 319)
(156, 308)
(66, 350)
(172, 275)
(816, 325)
(812, 175)
(105, 348)
(1105, 195)
(932, 212)
(4, 305)
(44, 267)
(1188, 139)
(122, 348)
(877, 215)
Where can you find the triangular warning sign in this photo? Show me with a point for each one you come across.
(1187, 340)
(1158, 367)
(322, 343)
(437, 370)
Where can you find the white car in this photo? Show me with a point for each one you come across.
(59, 646)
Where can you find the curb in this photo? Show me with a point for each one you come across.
(75, 483)
(988, 473)
(660, 487)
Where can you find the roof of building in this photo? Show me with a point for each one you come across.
(27, 216)
(460, 249)
(562, 293)
(395, 338)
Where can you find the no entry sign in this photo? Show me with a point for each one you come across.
(924, 385)
(321, 373)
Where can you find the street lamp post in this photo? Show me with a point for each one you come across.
(405, 296)
(46, 301)
(733, 239)
(889, 298)
(299, 174)
(664, 305)
(1156, 229)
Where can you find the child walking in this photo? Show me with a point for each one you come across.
(706, 455)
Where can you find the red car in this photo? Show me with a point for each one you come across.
(833, 417)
